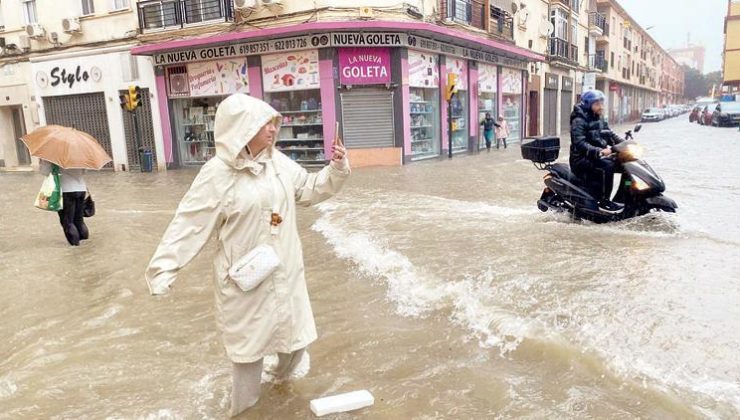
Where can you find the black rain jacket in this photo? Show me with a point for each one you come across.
(586, 138)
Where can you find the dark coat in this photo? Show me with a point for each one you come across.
(489, 123)
(587, 140)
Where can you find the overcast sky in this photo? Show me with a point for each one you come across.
(673, 19)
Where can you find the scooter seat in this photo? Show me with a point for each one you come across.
(563, 171)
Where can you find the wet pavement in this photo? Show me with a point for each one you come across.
(438, 286)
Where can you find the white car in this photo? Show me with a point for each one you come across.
(652, 115)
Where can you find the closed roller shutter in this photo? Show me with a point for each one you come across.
(551, 109)
(367, 116)
(146, 131)
(83, 112)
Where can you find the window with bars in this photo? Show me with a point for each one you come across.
(460, 11)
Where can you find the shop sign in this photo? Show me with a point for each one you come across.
(222, 77)
(589, 81)
(293, 71)
(551, 81)
(487, 80)
(244, 49)
(68, 78)
(613, 87)
(423, 70)
(567, 84)
(334, 39)
(364, 66)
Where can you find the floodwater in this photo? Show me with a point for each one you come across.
(437, 286)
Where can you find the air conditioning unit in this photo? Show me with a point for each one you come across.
(35, 30)
(269, 3)
(71, 25)
(24, 42)
(245, 4)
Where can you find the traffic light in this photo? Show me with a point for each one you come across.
(451, 86)
(134, 97)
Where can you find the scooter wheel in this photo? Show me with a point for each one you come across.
(542, 206)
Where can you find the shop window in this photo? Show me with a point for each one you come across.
(29, 11)
(87, 7)
(291, 85)
(424, 105)
(459, 106)
(512, 101)
(487, 97)
(194, 125)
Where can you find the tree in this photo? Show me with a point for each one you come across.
(695, 84)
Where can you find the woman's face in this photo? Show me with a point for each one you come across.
(264, 138)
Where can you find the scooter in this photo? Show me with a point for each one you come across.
(640, 187)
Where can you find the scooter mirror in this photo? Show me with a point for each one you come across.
(638, 127)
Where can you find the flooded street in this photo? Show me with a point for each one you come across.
(437, 286)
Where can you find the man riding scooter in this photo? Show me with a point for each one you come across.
(590, 148)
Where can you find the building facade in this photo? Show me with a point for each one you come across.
(731, 56)
(635, 71)
(380, 72)
(67, 63)
(690, 55)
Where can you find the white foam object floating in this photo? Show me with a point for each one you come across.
(342, 402)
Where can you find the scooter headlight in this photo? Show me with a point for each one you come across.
(639, 184)
(633, 152)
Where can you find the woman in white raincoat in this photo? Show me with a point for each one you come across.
(235, 196)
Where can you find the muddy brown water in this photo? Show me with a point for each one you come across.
(437, 286)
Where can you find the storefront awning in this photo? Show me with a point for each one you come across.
(441, 34)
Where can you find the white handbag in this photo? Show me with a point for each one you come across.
(252, 269)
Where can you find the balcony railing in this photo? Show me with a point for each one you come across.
(501, 23)
(563, 50)
(164, 14)
(597, 24)
(598, 61)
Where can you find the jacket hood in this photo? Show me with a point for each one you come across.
(238, 119)
(579, 111)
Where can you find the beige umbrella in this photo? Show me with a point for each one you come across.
(66, 147)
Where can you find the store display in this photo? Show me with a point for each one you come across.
(512, 86)
(424, 104)
(302, 128)
(487, 96)
(459, 105)
(194, 127)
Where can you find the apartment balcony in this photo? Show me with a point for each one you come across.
(563, 51)
(500, 24)
(597, 25)
(175, 14)
(598, 62)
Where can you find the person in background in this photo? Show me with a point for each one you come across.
(245, 197)
(74, 189)
(502, 131)
(488, 123)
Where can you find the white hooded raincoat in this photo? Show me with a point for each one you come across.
(234, 196)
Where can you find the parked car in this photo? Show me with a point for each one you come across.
(706, 115)
(652, 115)
(726, 114)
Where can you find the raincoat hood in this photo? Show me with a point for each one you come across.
(238, 119)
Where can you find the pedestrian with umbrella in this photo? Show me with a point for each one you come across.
(66, 153)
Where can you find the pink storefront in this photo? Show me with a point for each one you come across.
(383, 85)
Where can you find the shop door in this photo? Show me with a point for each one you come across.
(146, 131)
(551, 112)
(534, 113)
(367, 116)
(566, 108)
(19, 130)
(83, 112)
